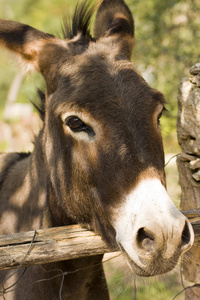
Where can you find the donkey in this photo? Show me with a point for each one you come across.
(98, 160)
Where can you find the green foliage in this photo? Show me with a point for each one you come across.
(167, 45)
(3, 146)
(42, 14)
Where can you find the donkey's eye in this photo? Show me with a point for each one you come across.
(161, 113)
(77, 125)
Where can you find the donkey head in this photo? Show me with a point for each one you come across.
(101, 138)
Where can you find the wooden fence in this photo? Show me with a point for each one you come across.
(61, 243)
(49, 245)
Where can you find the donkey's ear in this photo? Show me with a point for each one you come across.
(37, 50)
(114, 21)
(24, 41)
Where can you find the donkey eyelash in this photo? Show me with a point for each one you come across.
(77, 125)
(164, 110)
(160, 115)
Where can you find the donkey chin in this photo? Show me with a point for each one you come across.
(150, 231)
(151, 264)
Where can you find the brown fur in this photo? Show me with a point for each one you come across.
(80, 177)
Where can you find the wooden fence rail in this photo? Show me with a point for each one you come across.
(60, 243)
(49, 245)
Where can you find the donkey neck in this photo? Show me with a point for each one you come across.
(82, 274)
(53, 214)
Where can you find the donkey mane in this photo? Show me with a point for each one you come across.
(80, 22)
(39, 104)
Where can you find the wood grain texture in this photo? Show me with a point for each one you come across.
(56, 244)
(49, 245)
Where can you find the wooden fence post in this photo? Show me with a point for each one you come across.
(188, 129)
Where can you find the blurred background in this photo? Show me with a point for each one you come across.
(167, 39)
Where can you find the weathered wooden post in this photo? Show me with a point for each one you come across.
(188, 128)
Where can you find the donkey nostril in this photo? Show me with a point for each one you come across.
(145, 239)
(185, 235)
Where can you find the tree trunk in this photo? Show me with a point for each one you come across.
(188, 129)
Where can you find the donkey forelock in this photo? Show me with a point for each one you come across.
(80, 22)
